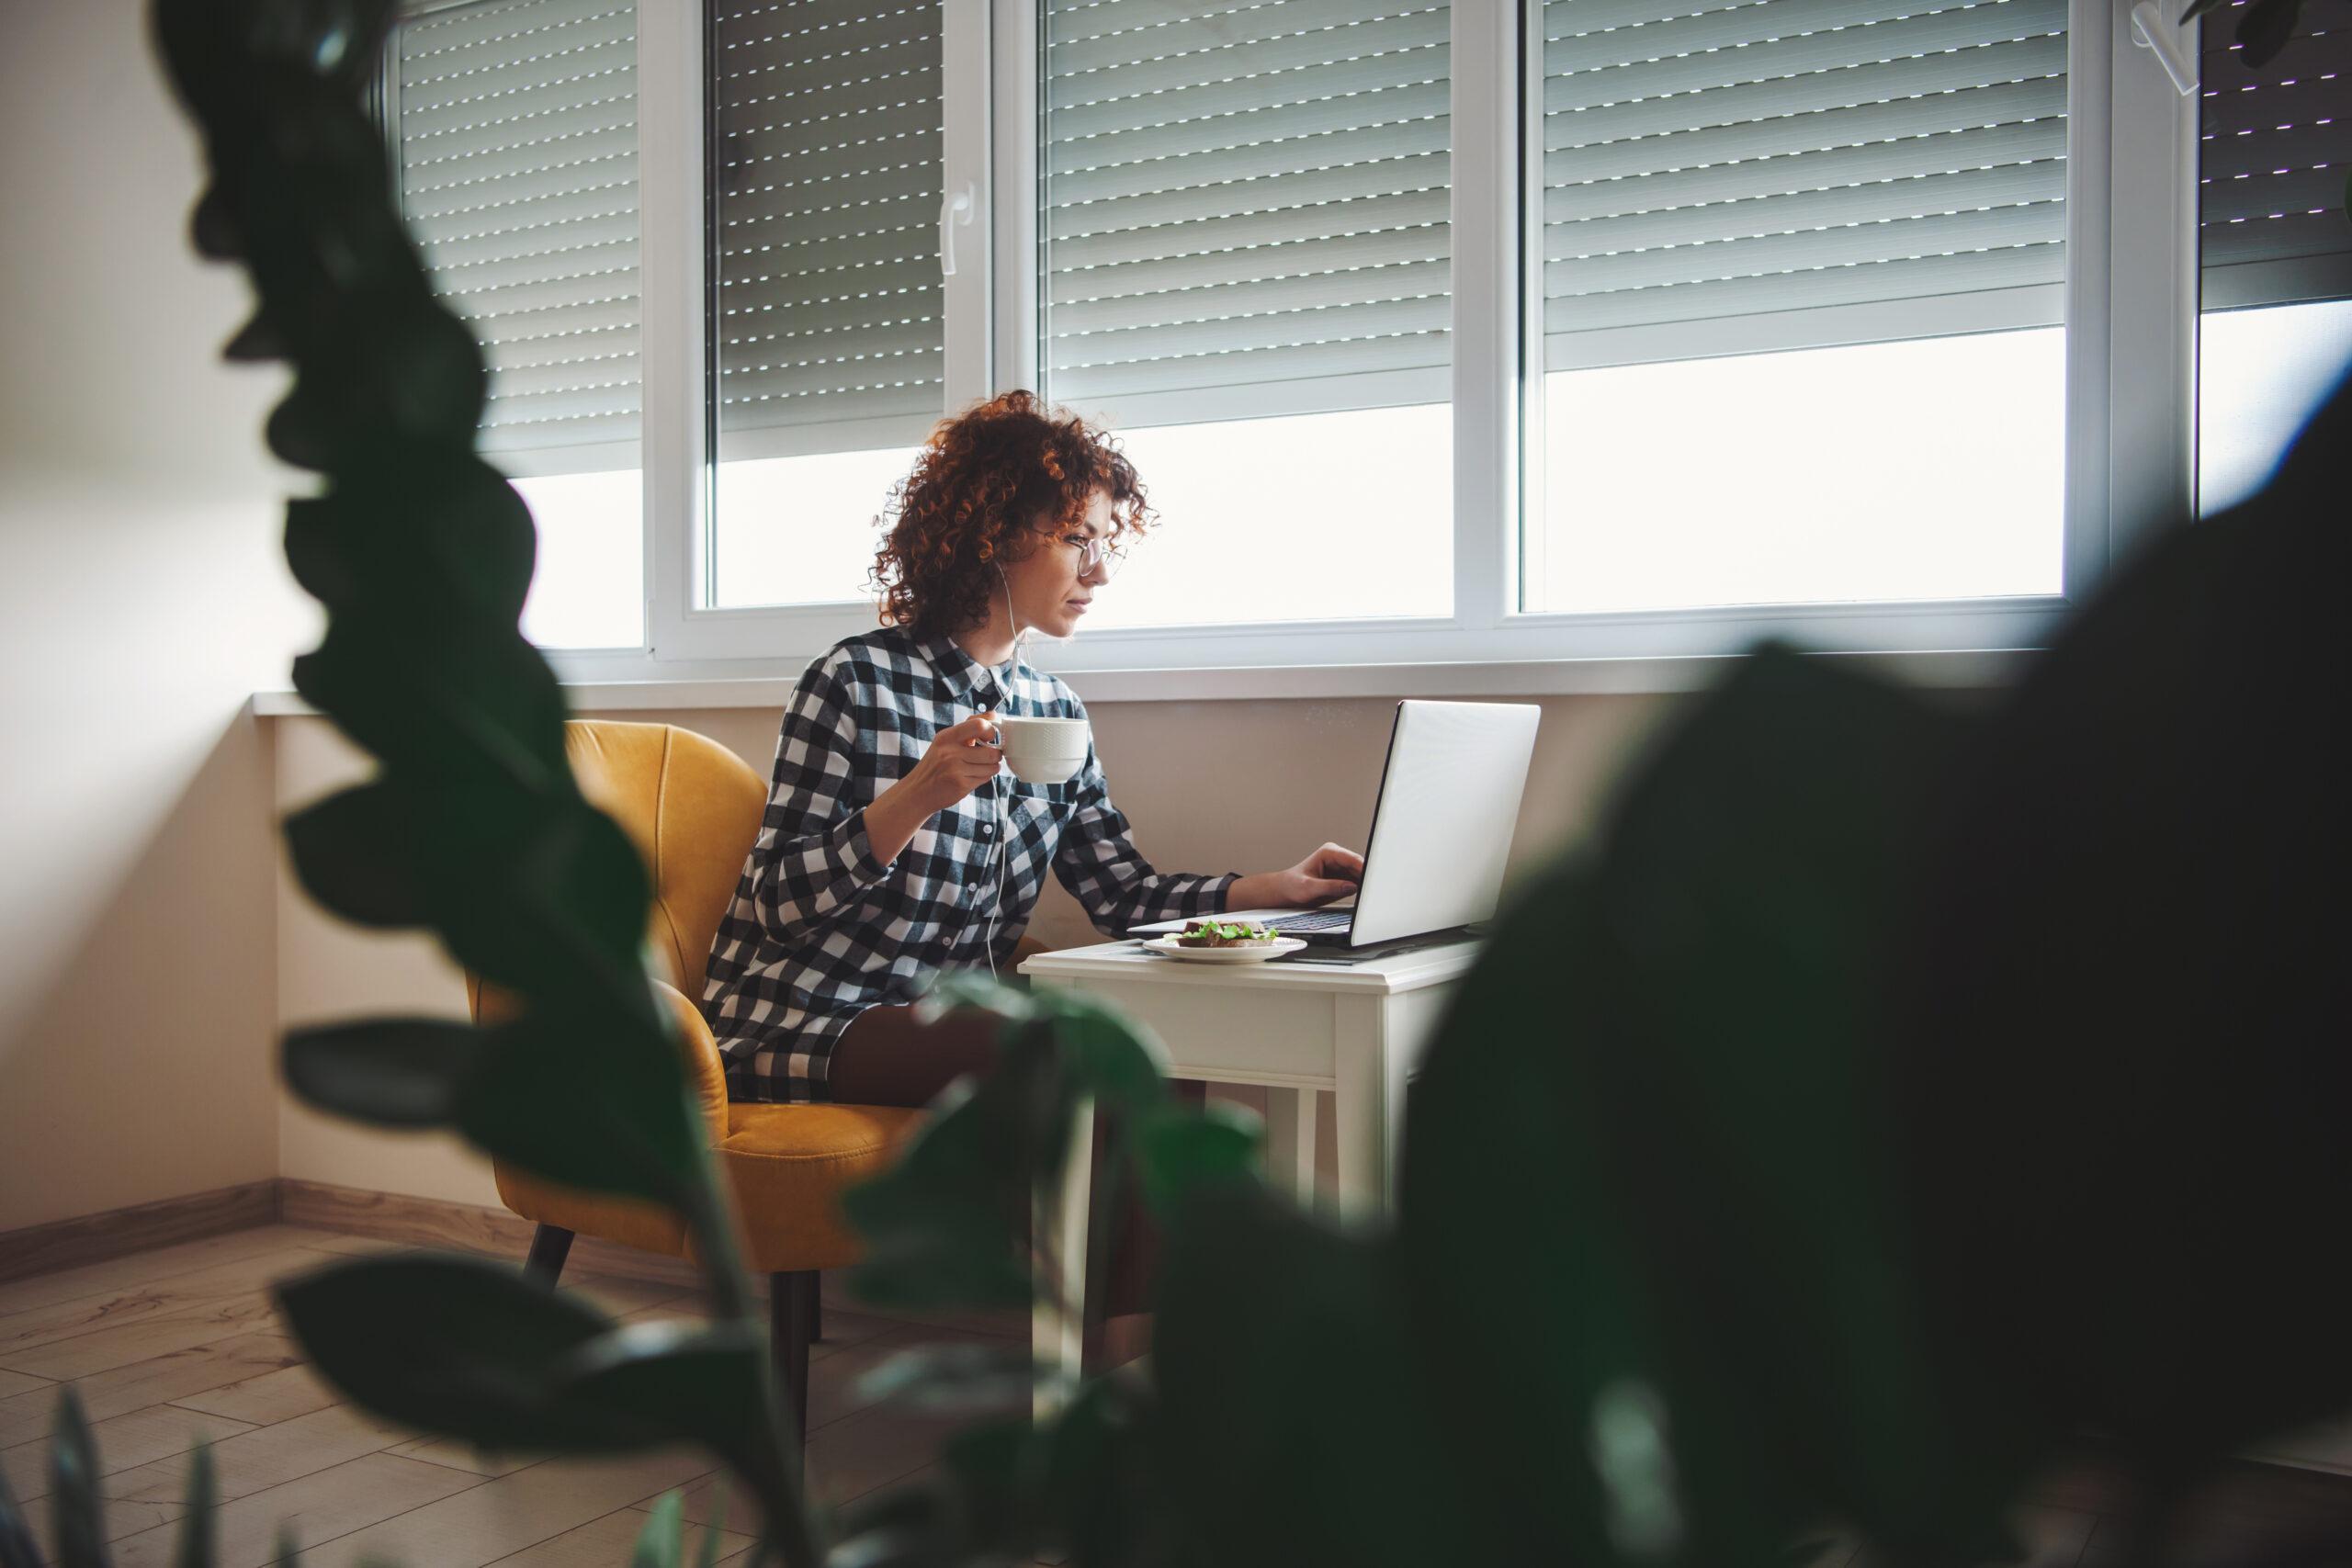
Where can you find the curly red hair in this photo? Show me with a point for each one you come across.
(986, 482)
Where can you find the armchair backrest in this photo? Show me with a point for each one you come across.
(692, 807)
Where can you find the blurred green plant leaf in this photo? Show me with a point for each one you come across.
(943, 1226)
(16, 1547)
(1179, 1148)
(1499, 1110)
(1281, 1359)
(714, 1533)
(1103, 1054)
(476, 828)
(2138, 910)
(995, 1469)
(946, 1224)
(579, 1106)
(1694, 1022)
(956, 1378)
(453, 1346)
(418, 520)
(389, 1072)
(585, 1101)
(194, 1549)
(913, 1525)
(576, 877)
(257, 341)
(471, 1349)
(1100, 1048)
(75, 1516)
(359, 852)
(462, 702)
(953, 988)
(691, 1381)
(662, 1542)
(403, 372)
(2265, 30)
(1107, 1479)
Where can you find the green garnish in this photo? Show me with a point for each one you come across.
(1218, 933)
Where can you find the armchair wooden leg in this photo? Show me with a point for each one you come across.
(792, 1307)
(816, 1308)
(550, 1246)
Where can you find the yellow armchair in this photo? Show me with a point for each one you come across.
(693, 809)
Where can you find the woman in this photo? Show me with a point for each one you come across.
(895, 844)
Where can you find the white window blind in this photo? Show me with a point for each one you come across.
(1706, 161)
(827, 180)
(2274, 155)
(515, 122)
(1245, 207)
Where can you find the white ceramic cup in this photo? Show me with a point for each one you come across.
(1044, 751)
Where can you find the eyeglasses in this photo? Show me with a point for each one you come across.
(1092, 552)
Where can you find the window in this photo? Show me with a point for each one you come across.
(1801, 269)
(828, 337)
(1244, 268)
(515, 126)
(1531, 333)
(2274, 246)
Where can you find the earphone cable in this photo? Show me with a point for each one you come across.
(1003, 848)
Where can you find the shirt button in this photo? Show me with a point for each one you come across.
(986, 829)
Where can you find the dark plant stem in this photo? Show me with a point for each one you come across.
(780, 1492)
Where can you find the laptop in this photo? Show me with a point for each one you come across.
(1440, 829)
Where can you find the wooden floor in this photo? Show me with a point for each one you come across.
(172, 1345)
(179, 1344)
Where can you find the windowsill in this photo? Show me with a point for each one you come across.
(1955, 669)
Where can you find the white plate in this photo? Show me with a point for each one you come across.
(1169, 945)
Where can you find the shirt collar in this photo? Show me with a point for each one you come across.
(965, 675)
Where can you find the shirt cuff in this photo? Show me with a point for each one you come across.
(858, 851)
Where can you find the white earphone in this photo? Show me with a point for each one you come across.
(1003, 850)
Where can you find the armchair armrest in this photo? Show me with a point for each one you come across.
(706, 1072)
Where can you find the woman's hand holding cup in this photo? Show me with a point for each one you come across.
(959, 759)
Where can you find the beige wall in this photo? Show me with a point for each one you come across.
(140, 602)
(1313, 768)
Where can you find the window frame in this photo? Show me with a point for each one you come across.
(2130, 310)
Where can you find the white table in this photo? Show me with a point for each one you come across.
(1300, 1031)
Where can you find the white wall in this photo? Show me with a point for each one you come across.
(141, 600)
(1313, 766)
(328, 971)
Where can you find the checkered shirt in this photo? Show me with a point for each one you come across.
(819, 930)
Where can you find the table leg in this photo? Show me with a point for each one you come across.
(1360, 1119)
(1058, 1325)
(1290, 1142)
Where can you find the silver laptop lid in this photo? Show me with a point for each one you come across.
(1440, 831)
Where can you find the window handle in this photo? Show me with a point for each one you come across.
(956, 212)
(2152, 31)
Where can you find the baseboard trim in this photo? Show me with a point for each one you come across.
(467, 1228)
(384, 1216)
(117, 1233)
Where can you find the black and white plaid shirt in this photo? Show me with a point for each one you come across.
(819, 930)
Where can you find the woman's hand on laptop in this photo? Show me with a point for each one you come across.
(1331, 872)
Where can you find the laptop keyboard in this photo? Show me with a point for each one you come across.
(1325, 920)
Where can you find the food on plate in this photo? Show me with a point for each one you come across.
(1226, 934)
